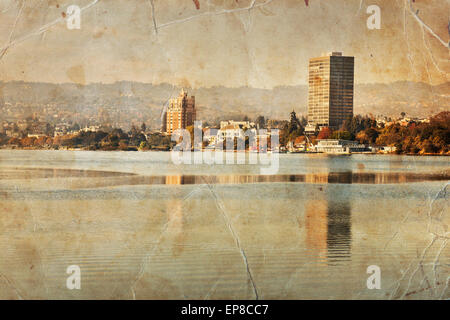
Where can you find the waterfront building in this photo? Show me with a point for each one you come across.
(339, 146)
(180, 113)
(230, 131)
(330, 90)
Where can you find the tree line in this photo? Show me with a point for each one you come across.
(432, 137)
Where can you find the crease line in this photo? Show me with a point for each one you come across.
(236, 238)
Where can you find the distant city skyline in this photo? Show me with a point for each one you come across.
(223, 43)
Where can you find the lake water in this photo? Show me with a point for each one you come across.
(141, 227)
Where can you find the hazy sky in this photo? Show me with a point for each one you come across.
(221, 43)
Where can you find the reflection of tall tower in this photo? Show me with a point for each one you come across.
(339, 236)
(180, 113)
(330, 90)
(176, 179)
(328, 224)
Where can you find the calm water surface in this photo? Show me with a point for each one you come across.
(142, 227)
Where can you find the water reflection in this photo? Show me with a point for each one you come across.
(46, 173)
(328, 224)
(98, 179)
(339, 236)
(322, 178)
(332, 177)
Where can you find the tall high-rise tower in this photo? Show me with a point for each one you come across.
(180, 113)
(330, 90)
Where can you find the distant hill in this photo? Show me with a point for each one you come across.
(416, 99)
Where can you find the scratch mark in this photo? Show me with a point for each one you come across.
(221, 208)
(145, 260)
(41, 30)
(152, 5)
(221, 12)
(11, 285)
(8, 8)
(360, 6)
(13, 29)
(423, 24)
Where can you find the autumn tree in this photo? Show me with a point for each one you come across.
(324, 133)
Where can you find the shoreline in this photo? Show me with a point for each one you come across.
(246, 151)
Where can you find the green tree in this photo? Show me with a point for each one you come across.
(343, 135)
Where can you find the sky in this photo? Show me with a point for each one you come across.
(232, 43)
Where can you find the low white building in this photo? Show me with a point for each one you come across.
(310, 129)
(36, 135)
(339, 146)
(241, 124)
(388, 149)
(90, 129)
(231, 129)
